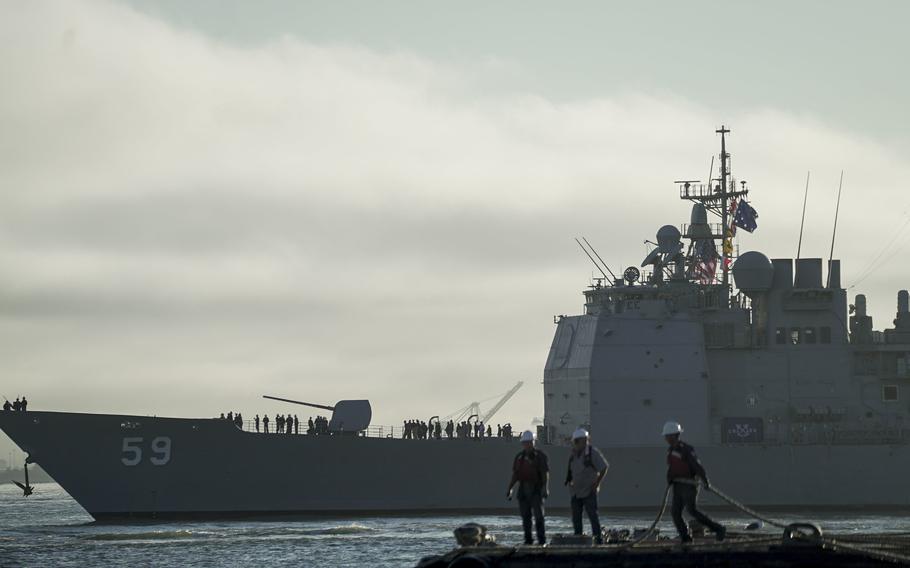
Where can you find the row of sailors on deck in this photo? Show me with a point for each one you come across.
(419, 430)
(18, 406)
(289, 424)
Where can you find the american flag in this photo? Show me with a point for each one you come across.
(705, 265)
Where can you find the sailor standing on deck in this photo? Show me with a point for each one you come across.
(587, 468)
(682, 469)
(532, 473)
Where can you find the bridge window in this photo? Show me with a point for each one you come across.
(795, 335)
(780, 336)
(825, 334)
(889, 393)
(809, 335)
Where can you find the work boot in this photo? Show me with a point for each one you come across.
(721, 534)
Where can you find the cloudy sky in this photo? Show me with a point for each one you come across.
(204, 202)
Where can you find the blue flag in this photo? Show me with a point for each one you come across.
(745, 217)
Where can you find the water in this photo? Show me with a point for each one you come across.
(50, 529)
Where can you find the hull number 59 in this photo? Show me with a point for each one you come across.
(160, 449)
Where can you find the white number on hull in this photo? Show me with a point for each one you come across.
(132, 451)
(161, 446)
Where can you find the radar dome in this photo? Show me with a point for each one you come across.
(668, 239)
(753, 272)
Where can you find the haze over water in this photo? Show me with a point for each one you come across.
(50, 529)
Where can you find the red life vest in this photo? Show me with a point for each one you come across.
(679, 459)
(529, 468)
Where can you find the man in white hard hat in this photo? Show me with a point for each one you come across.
(682, 469)
(531, 471)
(587, 468)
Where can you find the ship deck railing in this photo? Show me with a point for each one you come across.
(376, 431)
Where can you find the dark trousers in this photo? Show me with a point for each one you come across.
(589, 504)
(532, 505)
(684, 497)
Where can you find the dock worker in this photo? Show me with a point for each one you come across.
(531, 471)
(24, 404)
(683, 468)
(17, 406)
(265, 423)
(256, 420)
(587, 468)
(7, 406)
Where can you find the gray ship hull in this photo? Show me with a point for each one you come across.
(117, 467)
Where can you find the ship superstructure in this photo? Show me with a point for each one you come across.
(776, 361)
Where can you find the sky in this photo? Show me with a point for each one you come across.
(204, 202)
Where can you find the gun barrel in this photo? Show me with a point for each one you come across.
(320, 406)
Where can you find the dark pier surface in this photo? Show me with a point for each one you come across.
(740, 551)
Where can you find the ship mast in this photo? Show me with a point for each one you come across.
(716, 198)
(724, 157)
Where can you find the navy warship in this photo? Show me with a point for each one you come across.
(789, 394)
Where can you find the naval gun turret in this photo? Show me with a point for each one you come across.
(348, 416)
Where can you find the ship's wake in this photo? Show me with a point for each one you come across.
(152, 535)
(246, 533)
(342, 530)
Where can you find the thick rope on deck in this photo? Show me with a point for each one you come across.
(746, 510)
(660, 514)
(831, 542)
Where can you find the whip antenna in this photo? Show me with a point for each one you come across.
(711, 170)
(591, 257)
(834, 232)
(598, 257)
(802, 223)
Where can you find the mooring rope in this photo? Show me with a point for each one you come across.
(745, 509)
(660, 514)
(832, 542)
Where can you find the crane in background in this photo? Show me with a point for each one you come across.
(473, 409)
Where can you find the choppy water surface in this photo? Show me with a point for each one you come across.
(50, 529)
